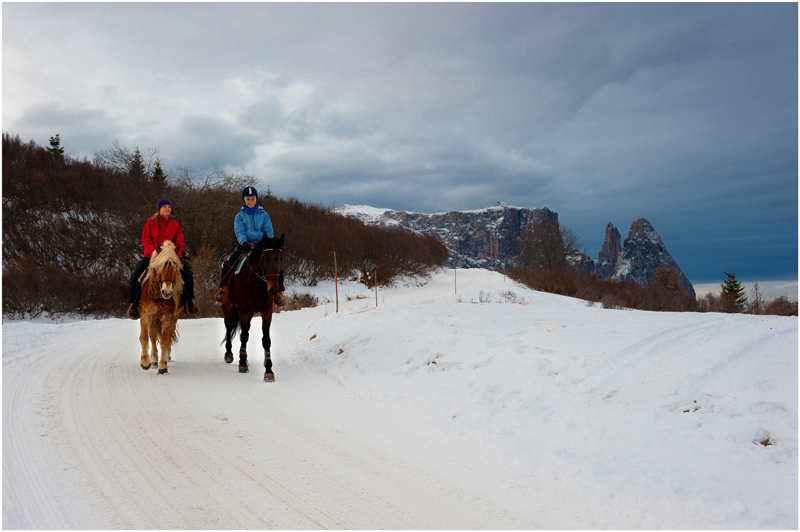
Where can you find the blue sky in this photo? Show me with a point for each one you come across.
(684, 114)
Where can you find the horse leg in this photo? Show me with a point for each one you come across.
(153, 330)
(266, 320)
(144, 339)
(245, 335)
(231, 322)
(166, 345)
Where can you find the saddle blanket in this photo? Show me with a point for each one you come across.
(241, 262)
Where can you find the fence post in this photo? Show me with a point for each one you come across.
(336, 280)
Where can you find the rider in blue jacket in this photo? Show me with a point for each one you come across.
(250, 225)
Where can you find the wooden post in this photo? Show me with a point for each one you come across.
(336, 277)
(376, 288)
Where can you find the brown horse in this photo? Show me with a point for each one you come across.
(252, 291)
(160, 305)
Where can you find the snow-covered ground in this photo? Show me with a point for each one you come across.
(497, 407)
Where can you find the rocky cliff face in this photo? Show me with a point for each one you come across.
(482, 238)
(488, 238)
(609, 255)
(641, 255)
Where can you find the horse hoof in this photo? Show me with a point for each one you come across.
(244, 369)
(145, 367)
(228, 359)
(162, 371)
(269, 377)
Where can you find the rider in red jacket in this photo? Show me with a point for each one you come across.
(160, 227)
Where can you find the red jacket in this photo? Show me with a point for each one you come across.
(153, 234)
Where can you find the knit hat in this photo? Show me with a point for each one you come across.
(249, 191)
(162, 202)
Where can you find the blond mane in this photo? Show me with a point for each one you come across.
(158, 260)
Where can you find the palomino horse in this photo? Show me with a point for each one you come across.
(160, 305)
(252, 291)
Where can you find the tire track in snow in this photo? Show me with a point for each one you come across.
(36, 495)
(16, 432)
(190, 449)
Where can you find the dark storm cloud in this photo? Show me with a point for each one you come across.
(685, 114)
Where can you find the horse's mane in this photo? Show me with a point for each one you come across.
(157, 261)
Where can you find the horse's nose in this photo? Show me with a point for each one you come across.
(272, 291)
(166, 294)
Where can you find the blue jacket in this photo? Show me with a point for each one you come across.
(250, 228)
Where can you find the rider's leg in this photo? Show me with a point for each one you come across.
(135, 289)
(188, 289)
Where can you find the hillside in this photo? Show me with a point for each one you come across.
(493, 408)
(72, 233)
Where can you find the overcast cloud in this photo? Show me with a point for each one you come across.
(684, 114)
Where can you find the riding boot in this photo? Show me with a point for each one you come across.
(221, 294)
(133, 310)
(191, 306)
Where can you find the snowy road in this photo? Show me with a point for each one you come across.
(486, 410)
(206, 447)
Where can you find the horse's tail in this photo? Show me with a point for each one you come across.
(232, 325)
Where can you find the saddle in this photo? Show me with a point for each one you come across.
(222, 294)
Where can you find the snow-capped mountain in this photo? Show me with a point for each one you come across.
(488, 238)
(482, 238)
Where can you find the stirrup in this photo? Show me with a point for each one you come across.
(221, 293)
(133, 311)
(191, 307)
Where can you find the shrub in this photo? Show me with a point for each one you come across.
(297, 301)
(663, 295)
(781, 306)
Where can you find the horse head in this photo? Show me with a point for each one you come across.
(268, 264)
(165, 265)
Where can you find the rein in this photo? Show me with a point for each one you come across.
(263, 276)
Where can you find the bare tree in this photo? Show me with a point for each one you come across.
(546, 245)
(126, 161)
(756, 304)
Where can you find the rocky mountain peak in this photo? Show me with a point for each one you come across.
(610, 253)
(489, 238)
(643, 252)
(643, 230)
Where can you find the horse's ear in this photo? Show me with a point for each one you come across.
(280, 241)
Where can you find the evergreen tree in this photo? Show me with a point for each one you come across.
(733, 293)
(55, 146)
(136, 166)
(158, 174)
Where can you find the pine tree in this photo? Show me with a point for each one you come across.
(733, 293)
(136, 166)
(158, 174)
(55, 146)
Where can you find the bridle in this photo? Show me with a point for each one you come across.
(259, 274)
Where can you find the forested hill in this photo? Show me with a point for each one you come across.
(72, 231)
